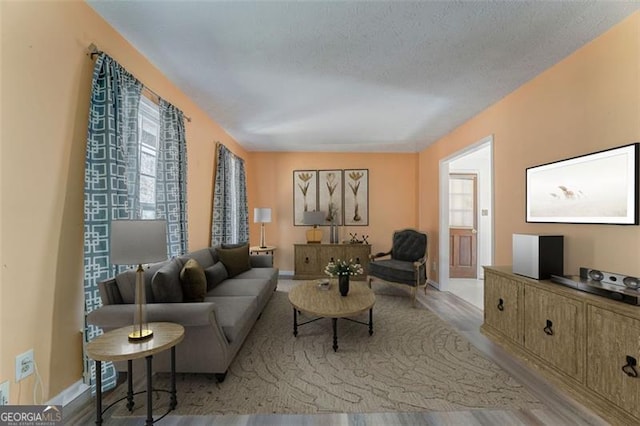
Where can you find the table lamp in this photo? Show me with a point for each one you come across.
(137, 242)
(262, 215)
(314, 218)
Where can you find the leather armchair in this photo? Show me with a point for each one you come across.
(406, 263)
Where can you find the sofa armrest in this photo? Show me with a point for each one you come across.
(261, 260)
(186, 314)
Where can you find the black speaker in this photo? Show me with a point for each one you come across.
(609, 277)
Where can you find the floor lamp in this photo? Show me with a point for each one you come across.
(262, 215)
(137, 242)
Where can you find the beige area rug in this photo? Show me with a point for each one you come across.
(413, 362)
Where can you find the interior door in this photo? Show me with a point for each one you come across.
(463, 217)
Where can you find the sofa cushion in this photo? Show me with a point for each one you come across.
(126, 282)
(193, 280)
(149, 271)
(253, 273)
(260, 288)
(215, 274)
(235, 260)
(235, 314)
(203, 256)
(166, 283)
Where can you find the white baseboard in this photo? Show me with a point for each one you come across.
(286, 275)
(434, 284)
(79, 392)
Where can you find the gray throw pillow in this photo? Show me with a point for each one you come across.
(215, 275)
(166, 283)
(194, 282)
(235, 260)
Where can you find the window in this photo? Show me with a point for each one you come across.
(148, 139)
(461, 201)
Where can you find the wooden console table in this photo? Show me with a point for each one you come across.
(311, 259)
(588, 345)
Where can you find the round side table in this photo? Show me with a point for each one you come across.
(115, 346)
(262, 250)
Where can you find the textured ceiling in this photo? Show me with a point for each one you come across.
(354, 75)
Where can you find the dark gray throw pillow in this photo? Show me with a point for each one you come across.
(194, 282)
(235, 260)
(166, 283)
(215, 274)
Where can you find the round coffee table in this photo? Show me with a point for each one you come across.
(308, 298)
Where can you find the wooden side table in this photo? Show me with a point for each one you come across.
(115, 346)
(262, 250)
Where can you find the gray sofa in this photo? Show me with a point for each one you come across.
(215, 328)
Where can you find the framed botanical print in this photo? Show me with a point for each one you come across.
(356, 197)
(305, 194)
(330, 195)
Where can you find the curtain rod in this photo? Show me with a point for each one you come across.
(94, 51)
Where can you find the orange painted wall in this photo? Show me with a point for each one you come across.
(392, 196)
(588, 102)
(45, 83)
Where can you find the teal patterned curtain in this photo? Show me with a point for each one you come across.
(110, 179)
(230, 209)
(171, 178)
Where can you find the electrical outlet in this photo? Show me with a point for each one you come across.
(4, 393)
(433, 266)
(24, 365)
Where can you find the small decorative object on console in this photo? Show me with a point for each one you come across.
(354, 239)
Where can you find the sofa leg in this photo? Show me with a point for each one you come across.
(220, 376)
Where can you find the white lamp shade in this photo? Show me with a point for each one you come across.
(136, 242)
(261, 215)
(313, 218)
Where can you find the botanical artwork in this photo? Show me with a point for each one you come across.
(356, 197)
(305, 194)
(593, 188)
(330, 190)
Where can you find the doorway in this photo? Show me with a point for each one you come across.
(476, 159)
(463, 225)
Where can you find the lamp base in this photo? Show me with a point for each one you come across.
(140, 335)
(314, 236)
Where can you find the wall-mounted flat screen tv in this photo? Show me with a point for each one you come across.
(601, 187)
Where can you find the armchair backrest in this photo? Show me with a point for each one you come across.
(409, 245)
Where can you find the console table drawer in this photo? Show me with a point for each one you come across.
(611, 338)
(311, 259)
(554, 330)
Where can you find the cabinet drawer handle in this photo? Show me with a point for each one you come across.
(306, 260)
(500, 305)
(548, 330)
(629, 368)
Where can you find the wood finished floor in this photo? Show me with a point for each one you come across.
(560, 409)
